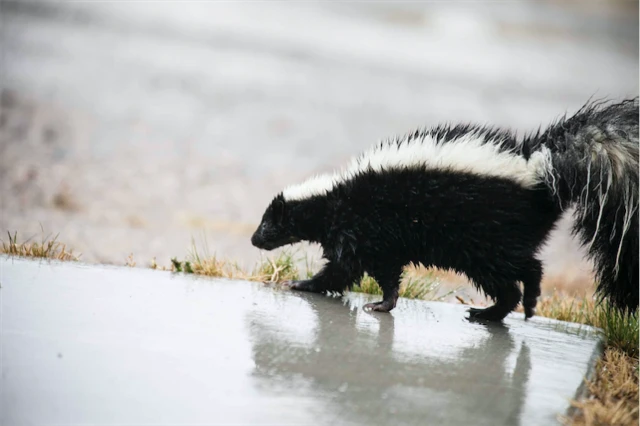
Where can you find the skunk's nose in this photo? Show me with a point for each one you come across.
(256, 240)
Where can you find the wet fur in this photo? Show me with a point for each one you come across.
(487, 226)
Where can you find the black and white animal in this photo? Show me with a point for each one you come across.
(475, 200)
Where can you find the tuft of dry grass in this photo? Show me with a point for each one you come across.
(48, 248)
(277, 269)
(153, 264)
(207, 264)
(367, 285)
(130, 261)
(415, 284)
(563, 307)
(613, 398)
(425, 287)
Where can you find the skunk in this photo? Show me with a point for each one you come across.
(476, 200)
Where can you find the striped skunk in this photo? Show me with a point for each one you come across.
(475, 200)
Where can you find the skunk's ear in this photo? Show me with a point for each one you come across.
(279, 211)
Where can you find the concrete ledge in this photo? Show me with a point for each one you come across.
(103, 345)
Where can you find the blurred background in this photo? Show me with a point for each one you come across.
(133, 127)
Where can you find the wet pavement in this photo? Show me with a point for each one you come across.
(113, 345)
(135, 127)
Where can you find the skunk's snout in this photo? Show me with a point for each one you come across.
(257, 240)
(260, 240)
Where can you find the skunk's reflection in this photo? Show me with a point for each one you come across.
(362, 378)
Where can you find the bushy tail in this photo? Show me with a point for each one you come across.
(590, 161)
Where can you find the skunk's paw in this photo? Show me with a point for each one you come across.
(384, 306)
(492, 313)
(529, 311)
(301, 285)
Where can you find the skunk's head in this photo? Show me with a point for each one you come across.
(277, 227)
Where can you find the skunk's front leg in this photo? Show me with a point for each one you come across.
(333, 277)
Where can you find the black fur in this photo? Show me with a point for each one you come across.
(488, 228)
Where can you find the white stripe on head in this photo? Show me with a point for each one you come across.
(317, 185)
(470, 153)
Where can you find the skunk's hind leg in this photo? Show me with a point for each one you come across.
(507, 298)
(333, 277)
(389, 280)
(531, 283)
